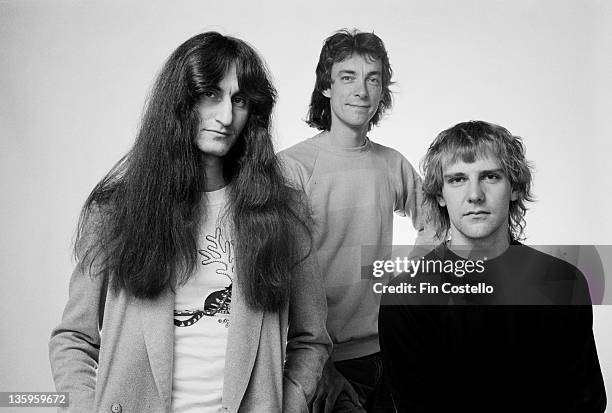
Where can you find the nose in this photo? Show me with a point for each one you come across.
(361, 89)
(225, 112)
(475, 193)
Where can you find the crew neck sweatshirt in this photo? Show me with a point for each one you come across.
(353, 193)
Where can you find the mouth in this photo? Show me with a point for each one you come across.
(221, 133)
(477, 213)
(359, 106)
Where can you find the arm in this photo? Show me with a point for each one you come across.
(409, 202)
(308, 344)
(75, 343)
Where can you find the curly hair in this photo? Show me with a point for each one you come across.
(146, 207)
(338, 47)
(468, 141)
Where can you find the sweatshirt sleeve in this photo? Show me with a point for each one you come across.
(409, 202)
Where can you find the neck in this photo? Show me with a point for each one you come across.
(479, 248)
(212, 177)
(344, 136)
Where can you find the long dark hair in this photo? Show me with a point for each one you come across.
(146, 207)
(338, 47)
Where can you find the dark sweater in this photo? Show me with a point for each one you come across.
(491, 357)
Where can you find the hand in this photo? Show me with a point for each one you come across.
(331, 385)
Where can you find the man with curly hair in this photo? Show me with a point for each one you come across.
(491, 324)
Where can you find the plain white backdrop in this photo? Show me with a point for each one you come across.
(74, 76)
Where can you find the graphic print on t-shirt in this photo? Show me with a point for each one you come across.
(217, 259)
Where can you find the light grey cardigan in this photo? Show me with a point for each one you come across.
(114, 350)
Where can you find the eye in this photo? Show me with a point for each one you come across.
(210, 94)
(492, 177)
(456, 180)
(347, 78)
(240, 101)
(374, 81)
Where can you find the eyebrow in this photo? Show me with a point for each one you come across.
(346, 72)
(453, 175)
(493, 171)
(486, 171)
(217, 88)
(352, 72)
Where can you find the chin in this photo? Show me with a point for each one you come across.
(218, 152)
(357, 125)
(477, 234)
(361, 121)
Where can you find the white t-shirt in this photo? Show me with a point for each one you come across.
(202, 315)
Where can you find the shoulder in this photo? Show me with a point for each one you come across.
(553, 266)
(564, 283)
(389, 153)
(396, 295)
(385, 150)
(439, 253)
(304, 152)
(395, 161)
(298, 161)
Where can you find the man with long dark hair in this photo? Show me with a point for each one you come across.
(196, 288)
(511, 328)
(354, 185)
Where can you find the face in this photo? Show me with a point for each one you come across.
(223, 113)
(355, 91)
(477, 197)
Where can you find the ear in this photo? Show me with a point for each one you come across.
(513, 195)
(326, 93)
(441, 201)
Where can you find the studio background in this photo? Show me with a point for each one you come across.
(74, 76)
